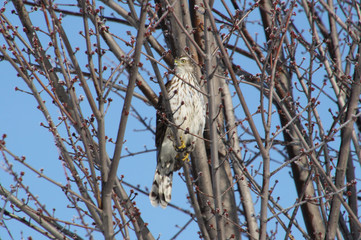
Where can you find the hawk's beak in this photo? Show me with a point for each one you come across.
(176, 62)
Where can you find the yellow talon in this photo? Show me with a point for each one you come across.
(183, 145)
(186, 157)
(181, 148)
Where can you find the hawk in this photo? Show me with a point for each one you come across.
(189, 113)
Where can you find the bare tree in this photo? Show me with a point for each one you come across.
(282, 86)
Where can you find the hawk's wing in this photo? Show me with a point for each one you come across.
(161, 125)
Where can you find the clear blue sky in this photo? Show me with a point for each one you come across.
(20, 120)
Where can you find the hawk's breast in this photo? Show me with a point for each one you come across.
(188, 107)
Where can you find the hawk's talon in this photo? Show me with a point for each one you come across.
(181, 147)
(186, 157)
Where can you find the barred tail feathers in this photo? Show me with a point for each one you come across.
(161, 192)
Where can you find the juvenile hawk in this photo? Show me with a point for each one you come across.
(189, 112)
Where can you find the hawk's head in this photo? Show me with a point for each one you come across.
(183, 65)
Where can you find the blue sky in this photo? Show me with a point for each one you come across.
(20, 121)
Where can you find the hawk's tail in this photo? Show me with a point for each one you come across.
(161, 192)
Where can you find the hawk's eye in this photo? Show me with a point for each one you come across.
(183, 60)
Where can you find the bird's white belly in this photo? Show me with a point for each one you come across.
(189, 116)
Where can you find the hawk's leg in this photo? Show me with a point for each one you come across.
(181, 148)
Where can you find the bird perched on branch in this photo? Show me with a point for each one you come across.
(189, 111)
